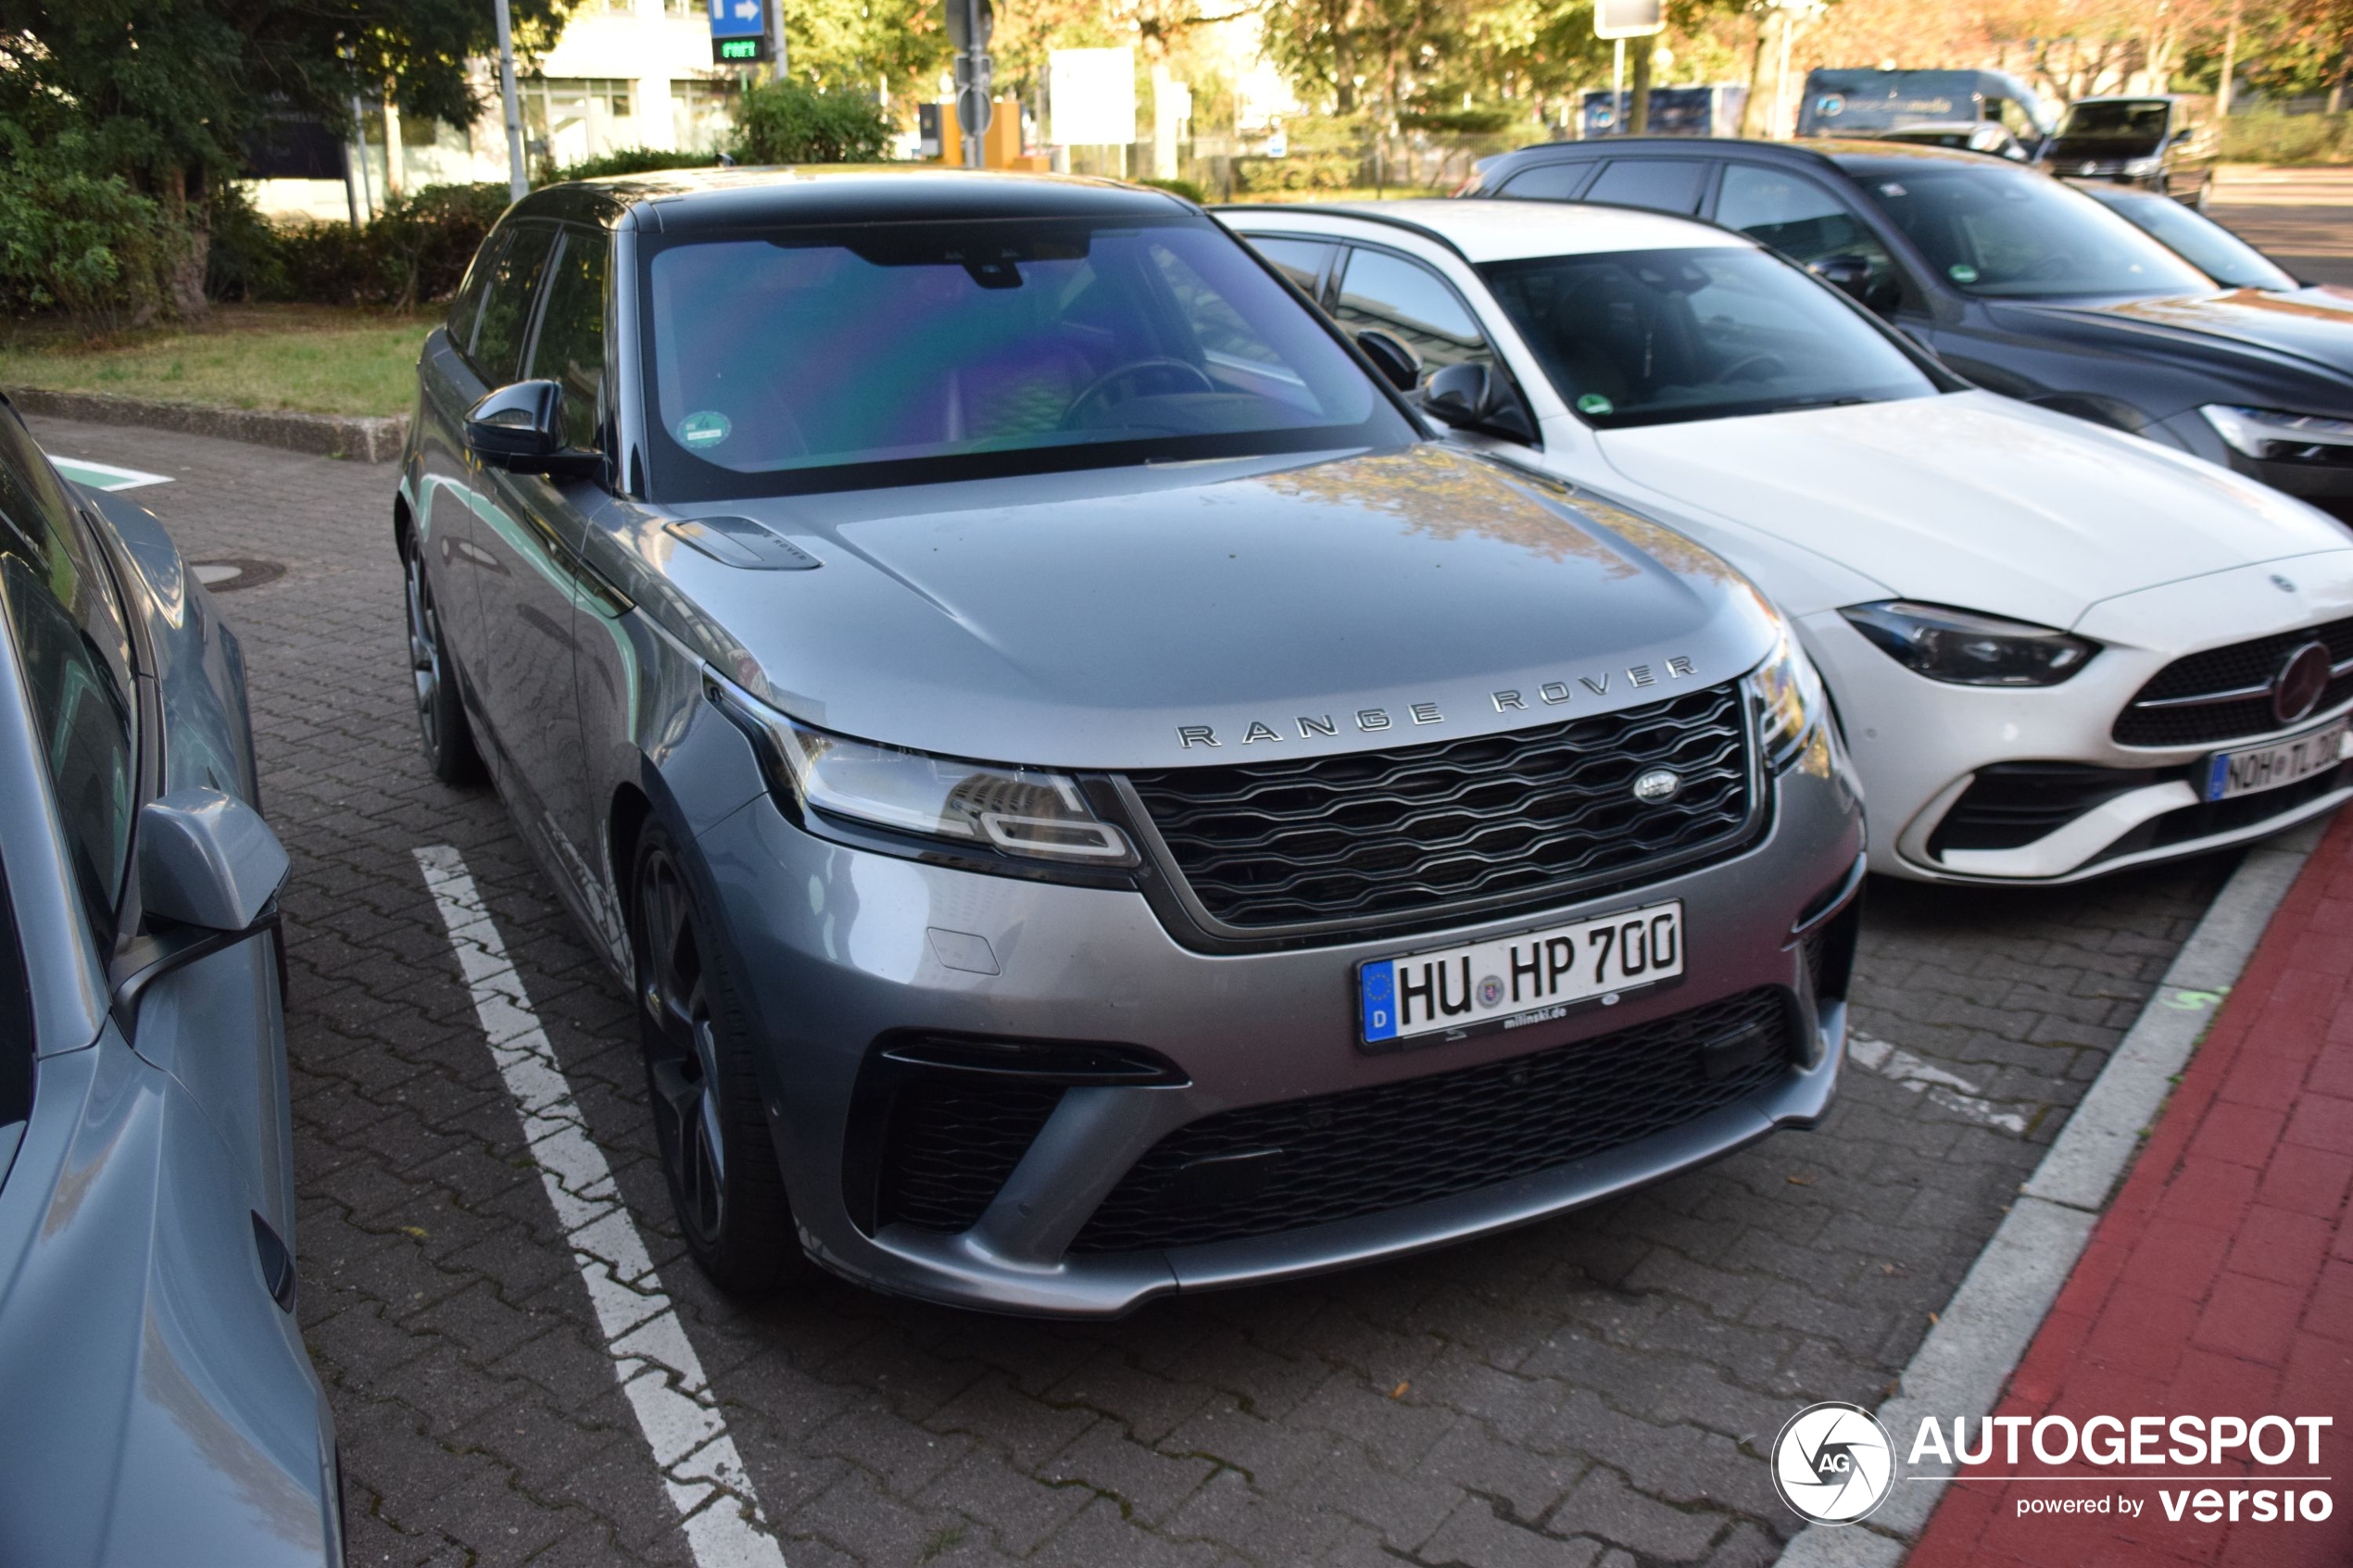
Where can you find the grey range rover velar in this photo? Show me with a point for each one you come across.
(1093, 800)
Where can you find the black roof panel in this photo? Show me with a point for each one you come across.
(711, 200)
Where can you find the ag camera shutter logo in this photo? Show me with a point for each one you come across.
(1833, 1463)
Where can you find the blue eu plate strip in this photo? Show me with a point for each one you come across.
(1378, 986)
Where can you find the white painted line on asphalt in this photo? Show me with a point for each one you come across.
(1965, 1361)
(657, 1368)
(105, 476)
(1950, 1090)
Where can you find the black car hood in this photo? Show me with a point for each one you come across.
(2309, 330)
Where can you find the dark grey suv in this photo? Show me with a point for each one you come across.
(161, 1408)
(1093, 799)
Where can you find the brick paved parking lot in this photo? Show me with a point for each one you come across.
(1596, 1389)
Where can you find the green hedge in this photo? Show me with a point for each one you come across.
(1300, 171)
(2268, 136)
(416, 251)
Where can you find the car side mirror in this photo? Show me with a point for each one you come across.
(520, 427)
(207, 860)
(1851, 275)
(1474, 397)
(1398, 364)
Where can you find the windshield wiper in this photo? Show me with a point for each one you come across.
(1846, 401)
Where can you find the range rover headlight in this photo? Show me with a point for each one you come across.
(2260, 432)
(1967, 649)
(1789, 701)
(1027, 812)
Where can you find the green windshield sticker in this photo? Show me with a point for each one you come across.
(1594, 403)
(1961, 272)
(705, 427)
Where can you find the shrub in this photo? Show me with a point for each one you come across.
(632, 160)
(1460, 123)
(1188, 189)
(1300, 171)
(423, 242)
(417, 250)
(2269, 136)
(791, 122)
(75, 240)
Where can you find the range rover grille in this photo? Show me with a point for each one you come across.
(2239, 667)
(1375, 835)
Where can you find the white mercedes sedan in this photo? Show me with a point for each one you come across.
(2055, 650)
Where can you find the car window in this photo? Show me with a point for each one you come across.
(570, 347)
(1651, 337)
(1412, 305)
(1801, 220)
(74, 649)
(1300, 261)
(1997, 230)
(465, 310)
(1670, 184)
(1551, 182)
(506, 303)
(833, 359)
(2209, 246)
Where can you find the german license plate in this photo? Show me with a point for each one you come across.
(1515, 981)
(2232, 774)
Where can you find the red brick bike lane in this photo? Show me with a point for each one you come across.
(2220, 1282)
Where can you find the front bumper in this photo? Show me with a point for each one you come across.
(1943, 766)
(845, 950)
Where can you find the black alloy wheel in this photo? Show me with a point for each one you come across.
(441, 714)
(707, 1117)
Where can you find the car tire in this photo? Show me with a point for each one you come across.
(442, 726)
(702, 1085)
(2204, 193)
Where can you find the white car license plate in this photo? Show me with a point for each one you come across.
(2232, 774)
(1515, 981)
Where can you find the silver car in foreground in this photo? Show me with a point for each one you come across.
(159, 1406)
(1093, 800)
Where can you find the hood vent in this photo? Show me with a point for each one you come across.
(740, 542)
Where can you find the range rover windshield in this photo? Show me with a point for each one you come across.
(906, 353)
(1655, 336)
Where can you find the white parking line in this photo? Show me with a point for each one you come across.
(656, 1367)
(1950, 1090)
(105, 476)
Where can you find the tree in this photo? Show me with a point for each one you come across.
(163, 95)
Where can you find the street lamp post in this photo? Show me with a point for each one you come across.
(518, 183)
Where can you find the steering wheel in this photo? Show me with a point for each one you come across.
(1762, 363)
(2051, 268)
(1111, 378)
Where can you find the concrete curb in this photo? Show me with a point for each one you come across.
(1965, 1361)
(369, 438)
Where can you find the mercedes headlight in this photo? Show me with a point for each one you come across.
(2260, 432)
(2141, 168)
(1789, 701)
(1029, 812)
(1969, 649)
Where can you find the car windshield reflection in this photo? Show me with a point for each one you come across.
(1651, 337)
(894, 354)
(2009, 232)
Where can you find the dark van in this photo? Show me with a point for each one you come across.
(1859, 103)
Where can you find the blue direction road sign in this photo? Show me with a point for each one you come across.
(739, 18)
